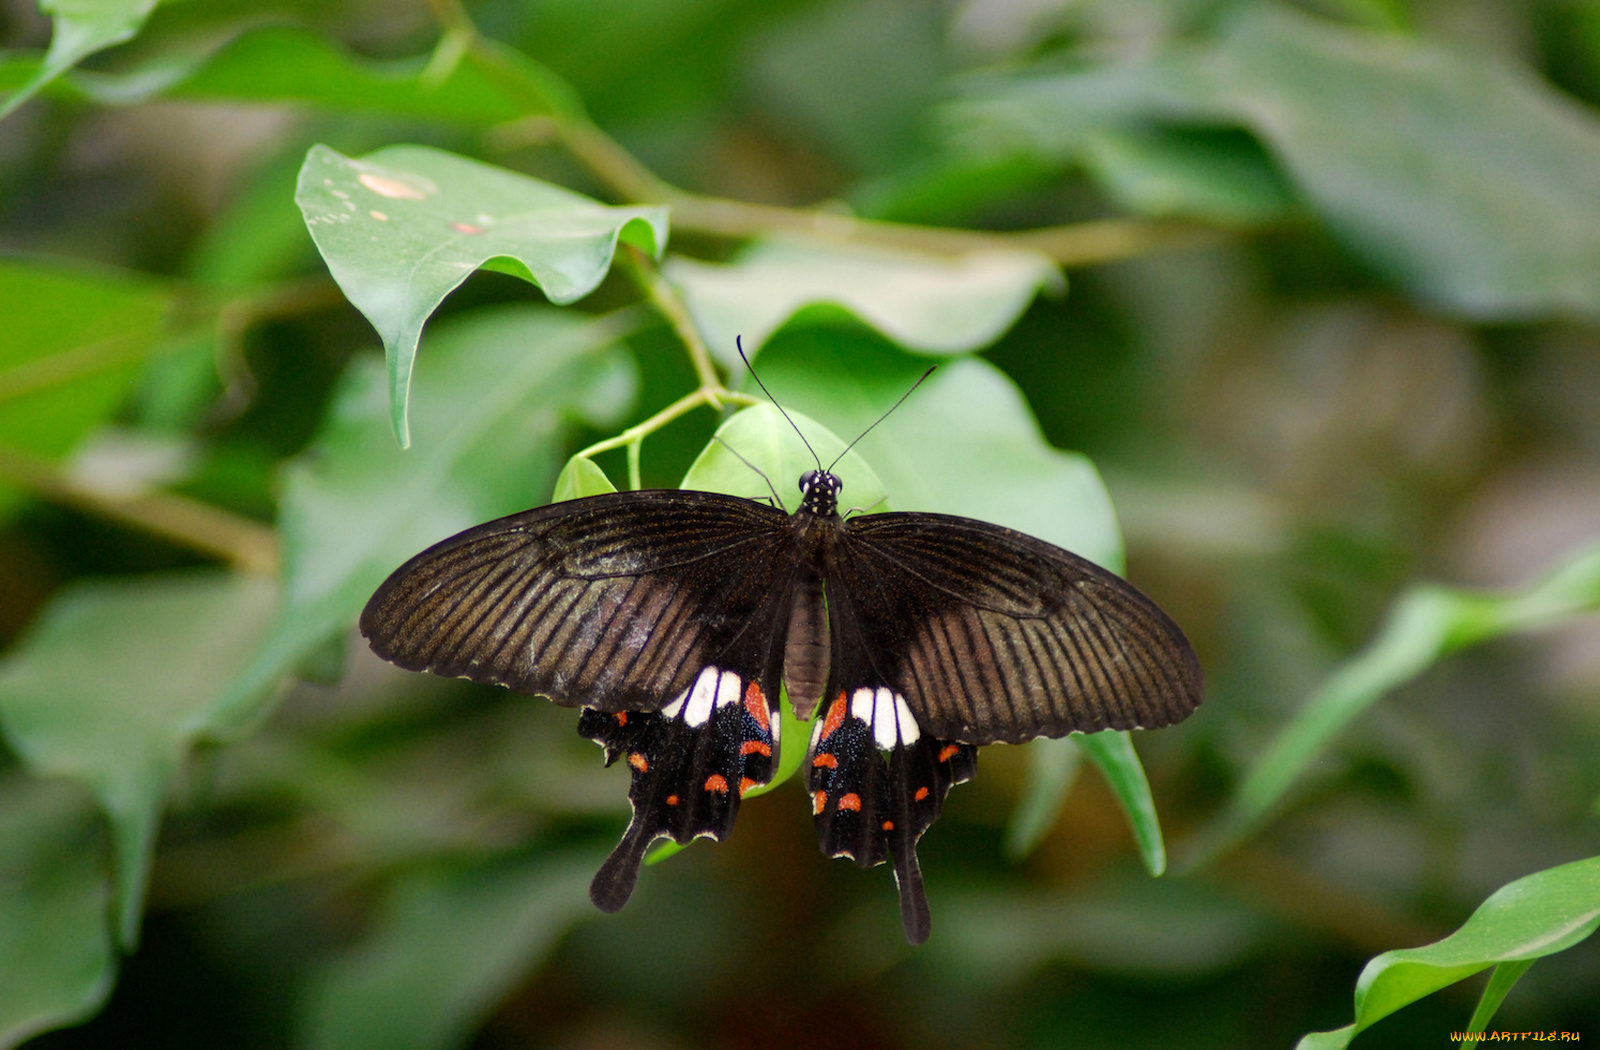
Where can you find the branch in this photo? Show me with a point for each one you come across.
(1077, 244)
(250, 546)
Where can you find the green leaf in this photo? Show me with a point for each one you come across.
(495, 391)
(1538, 915)
(580, 477)
(1478, 186)
(1172, 174)
(1504, 977)
(1465, 179)
(923, 302)
(1425, 624)
(55, 941)
(486, 85)
(82, 27)
(758, 445)
(1052, 770)
(964, 443)
(70, 345)
(402, 227)
(447, 946)
(113, 685)
(1113, 752)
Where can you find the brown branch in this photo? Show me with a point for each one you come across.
(1076, 244)
(249, 545)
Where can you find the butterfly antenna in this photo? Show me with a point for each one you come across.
(776, 499)
(740, 346)
(881, 418)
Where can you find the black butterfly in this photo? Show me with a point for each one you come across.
(671, 617)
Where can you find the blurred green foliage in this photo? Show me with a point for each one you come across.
(1329, 334)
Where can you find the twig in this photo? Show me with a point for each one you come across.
(250, 546)
(665, 298)
(1078, 244)
(78, 362)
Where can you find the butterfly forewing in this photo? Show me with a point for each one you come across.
(992, 635)
(615, 602)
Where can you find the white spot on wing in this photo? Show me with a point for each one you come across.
(909, 730)
(861, 705)
(675, 708)
(702, 697)
(730, 688)
(885, 728)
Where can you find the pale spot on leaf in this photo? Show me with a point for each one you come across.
(380, 216)
(388, 187)
(465, 227)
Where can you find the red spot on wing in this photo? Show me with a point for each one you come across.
(850, 801)
(888, 825)
(819, 802)
(745, 784)
(672, 800)
(947, 751)
(756, 703)
(716, 782)
(835, 718)
(825, 760)
(639, 762)
(755, 747)
(621, 717)
(922, 793)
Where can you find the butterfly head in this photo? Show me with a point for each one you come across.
(819, 492)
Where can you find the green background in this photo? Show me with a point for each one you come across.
(1288, 310)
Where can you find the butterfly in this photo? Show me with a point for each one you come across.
(673, 617)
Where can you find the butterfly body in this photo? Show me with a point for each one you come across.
(674, 617)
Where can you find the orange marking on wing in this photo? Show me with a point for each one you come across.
(621, 717)
(756, 703)
(639, 762)
(755, 747)
(825, 760)
(850, 801)
(888, 825)
(745, 784)
(947, 751)
(716, 782)
(835, 718)
(672, 800)
(922, 793)
(819, 802)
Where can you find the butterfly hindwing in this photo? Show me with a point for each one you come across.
(876, 784)
(691, 762)
(992, 635)
(613, 602)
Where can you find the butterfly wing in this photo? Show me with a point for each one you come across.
(948, 633)
(992, 635)
(615, 602)
(662, 613)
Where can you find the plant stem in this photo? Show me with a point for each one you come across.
(250, 546)
(632, 438)
(1078, 244)
(665, 298)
